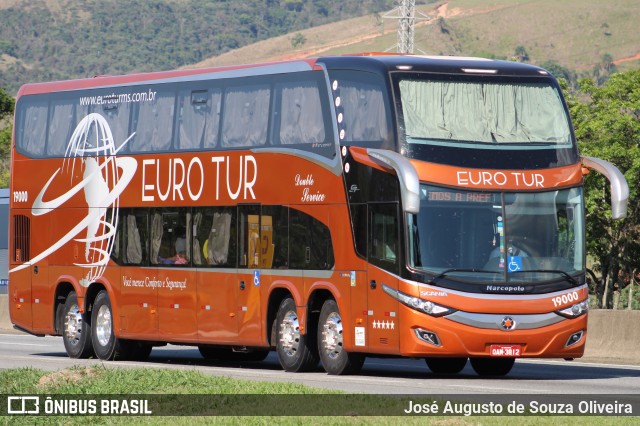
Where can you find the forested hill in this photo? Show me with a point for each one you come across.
(44, 40)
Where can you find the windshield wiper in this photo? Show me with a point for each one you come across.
(551, 271)
(447, 271)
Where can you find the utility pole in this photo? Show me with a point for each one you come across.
(405, 13)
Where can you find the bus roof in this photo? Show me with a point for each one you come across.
(436, 64)
(379, 62)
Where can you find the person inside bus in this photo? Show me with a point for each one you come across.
(180, 257)
(513, 249)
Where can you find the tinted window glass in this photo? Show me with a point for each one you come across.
(301, 120)
(214, 242)
(310, 242)
(275, 237)
(361, 99)
(383, 241)
(198, 118)
(154, 123)
(133, 238)
(246, 116)
(33, 125)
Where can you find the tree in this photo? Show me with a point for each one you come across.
(607, 125)
(6, 111)
(521, 54)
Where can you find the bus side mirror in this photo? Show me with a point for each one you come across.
(619, 187)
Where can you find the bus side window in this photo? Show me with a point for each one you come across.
(301, 120)
(274, 243)
(384, 236)
(154, 123)
(310, 242)
(118, 116)
(133, 226)
(31, 132)
(215, 236)
(198, 119)
(62, 121)
(365, 109)
(246, 116)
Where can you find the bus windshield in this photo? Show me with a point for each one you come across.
(509, 113)
(498, 237)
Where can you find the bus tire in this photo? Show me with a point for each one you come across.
(296, 352)
(446, 365)
(492, 366)
(105, 344)
(76, 329)
(335, 359)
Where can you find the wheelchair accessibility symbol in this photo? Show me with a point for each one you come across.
(514, 263)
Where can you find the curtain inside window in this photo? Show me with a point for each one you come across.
(219, 237)
(198, 122)
(155, 124)
(246, 116)
(491, 113)
(34, 128)
(301, 114)
(364, 113)
(156, 237)
(134, 246)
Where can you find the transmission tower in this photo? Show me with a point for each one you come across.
(405, 13)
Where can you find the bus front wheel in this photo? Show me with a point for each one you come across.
(335, 359)
(492, 366)
(76, 329)
(296, 352)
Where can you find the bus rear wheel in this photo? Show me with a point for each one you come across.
(76, 329)
(492, 366)
(296, 352)
(335, 359)
(105, 344)
(446, 365)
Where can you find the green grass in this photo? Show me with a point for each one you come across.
(221, 400)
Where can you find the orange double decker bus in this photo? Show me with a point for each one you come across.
(328, 209)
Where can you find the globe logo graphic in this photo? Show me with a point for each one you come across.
(92, 151)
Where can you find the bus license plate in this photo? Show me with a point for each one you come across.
(506, 350)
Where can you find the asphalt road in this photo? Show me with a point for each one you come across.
(379, 375)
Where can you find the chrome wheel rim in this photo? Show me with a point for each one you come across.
(73, 325)
(103, 325)
(332, 335)
(290, 333)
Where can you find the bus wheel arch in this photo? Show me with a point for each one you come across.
(63, 290)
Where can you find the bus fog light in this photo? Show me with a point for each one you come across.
(428, 336)
(574, 338)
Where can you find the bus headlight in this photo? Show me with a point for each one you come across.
(418, 304)
(576, 310)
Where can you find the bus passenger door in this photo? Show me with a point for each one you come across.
(382, 270)
(249, 278)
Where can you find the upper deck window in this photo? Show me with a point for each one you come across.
(282, 111)
(509, 114)
(362, 105)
